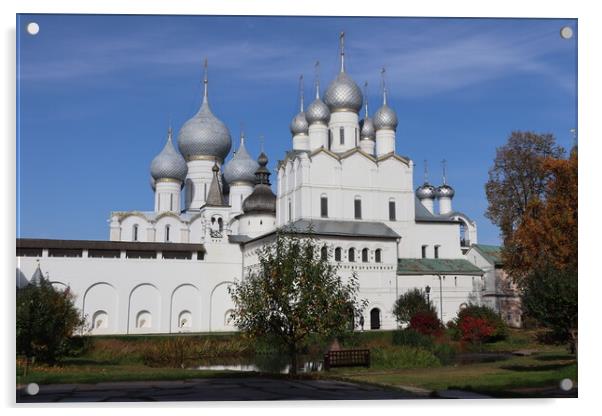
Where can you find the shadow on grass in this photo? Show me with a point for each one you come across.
(547, 367)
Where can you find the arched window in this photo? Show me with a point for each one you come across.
(342, 135)
(392, 213)
(351, 254)
(135, 232)
(365, 255)
(357, 208)
(378, 255)
(167, 228)
(424, 251)
(437, 251)
(337, 254)
(171, 202)
(290, 210)
(324, 253)
(220, 224)
(324, 206)
(375, 318)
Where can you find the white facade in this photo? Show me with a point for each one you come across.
(329, 178)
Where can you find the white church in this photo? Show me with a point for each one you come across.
(168, 270)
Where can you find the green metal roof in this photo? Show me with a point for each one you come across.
(493, 254)
(437, 266)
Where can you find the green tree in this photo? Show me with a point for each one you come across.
(46, 319)
(550, 296)
(409, 304)
(295, 293)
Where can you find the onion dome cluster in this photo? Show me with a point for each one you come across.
(242, 167)
(168, 164)
(262, 200)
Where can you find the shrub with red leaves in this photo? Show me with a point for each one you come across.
(427, 323)
(475, 330)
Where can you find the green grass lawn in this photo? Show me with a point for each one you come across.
(122, 359)
(85, 371)
(506, 378)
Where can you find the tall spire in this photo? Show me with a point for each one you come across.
(205, 82)
(301, 93)
(426, 171)
(382, 73)
(261, 140)
(366, 99)
(317, 81)
(342, 48)
(444, 165)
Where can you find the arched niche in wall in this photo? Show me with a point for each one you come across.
(221, 301)
(185, 304)
(101, 298)
(144, 301)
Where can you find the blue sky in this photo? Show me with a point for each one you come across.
(95, 95)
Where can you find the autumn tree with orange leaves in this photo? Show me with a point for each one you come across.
(532, 194)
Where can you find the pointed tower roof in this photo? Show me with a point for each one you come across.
(214, 196)
(262, 199)
(37, 276)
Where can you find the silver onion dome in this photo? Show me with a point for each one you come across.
(385, 118)
(299, 124)
(367, 129)
(169, 164)
(262, 200)
(343, 94)
(445, 191)
(317, 112)
(425, 191)
(242, 167)
(204, 134)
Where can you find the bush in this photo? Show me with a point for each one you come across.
(475, 330)
(412, 338)
(46, 320)
(409, 304)
(444, 352)
(403, 357)
(426, 323)
(491, 317)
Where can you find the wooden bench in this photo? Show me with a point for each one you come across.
(346, 358)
